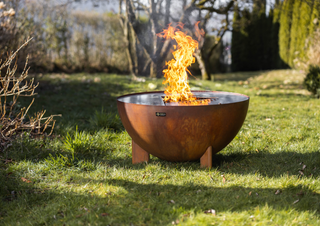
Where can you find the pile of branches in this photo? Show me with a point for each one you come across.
(14, 120)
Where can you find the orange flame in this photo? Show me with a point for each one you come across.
(176, 76)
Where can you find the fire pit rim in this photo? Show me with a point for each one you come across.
(200, 105)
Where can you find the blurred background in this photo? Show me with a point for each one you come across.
(120, 36)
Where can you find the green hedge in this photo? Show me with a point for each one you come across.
(254, 40)
(276, 40)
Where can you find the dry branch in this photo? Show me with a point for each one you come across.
(14, 121)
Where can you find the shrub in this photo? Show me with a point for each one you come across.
(14, 120)
(312, 80)
(311, 63)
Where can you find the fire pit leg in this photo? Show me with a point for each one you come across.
(138, 154)
(206, 159)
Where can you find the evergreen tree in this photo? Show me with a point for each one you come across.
(246, 50)
(268, 42)
(275, 57)
(240, 43)
(235, 41)
(265, 39)
(304, 22)
(256, 32)
(255, 38)
(315, 17)
(294, 32)
(285, 27)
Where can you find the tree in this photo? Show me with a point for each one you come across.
(203, 56)
(245, 40)
(156, 52)
(305, 17)
(129, 40)
(236, 40)
(241, 49)
(159, 14)
(255, 37)
(314, 21)
(258, 35)
(276, 60)
(294, 32)
(285, 28)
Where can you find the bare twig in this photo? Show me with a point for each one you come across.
(14, 121)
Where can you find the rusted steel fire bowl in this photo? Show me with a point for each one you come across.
(175, 132)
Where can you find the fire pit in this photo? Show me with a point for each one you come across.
(175, 132)
(177, 124)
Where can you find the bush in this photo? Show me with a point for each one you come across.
(312, 80)
(13, 119)
(311, 63)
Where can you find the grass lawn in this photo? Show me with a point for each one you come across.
(83, 175)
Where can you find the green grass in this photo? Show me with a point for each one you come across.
(268, 175)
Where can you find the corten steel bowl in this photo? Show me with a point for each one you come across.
(182, 132)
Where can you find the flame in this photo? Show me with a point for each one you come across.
(178, 89)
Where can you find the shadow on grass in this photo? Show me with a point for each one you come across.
(264, 163)
(140, 203)
(273, 165)
(270, 164)
(78, 101)
(190, 196)
(108, 152)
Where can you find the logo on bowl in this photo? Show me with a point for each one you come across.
(161, 114)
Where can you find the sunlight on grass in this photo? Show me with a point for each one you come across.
(268, 175)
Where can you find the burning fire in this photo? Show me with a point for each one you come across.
(176, 76)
